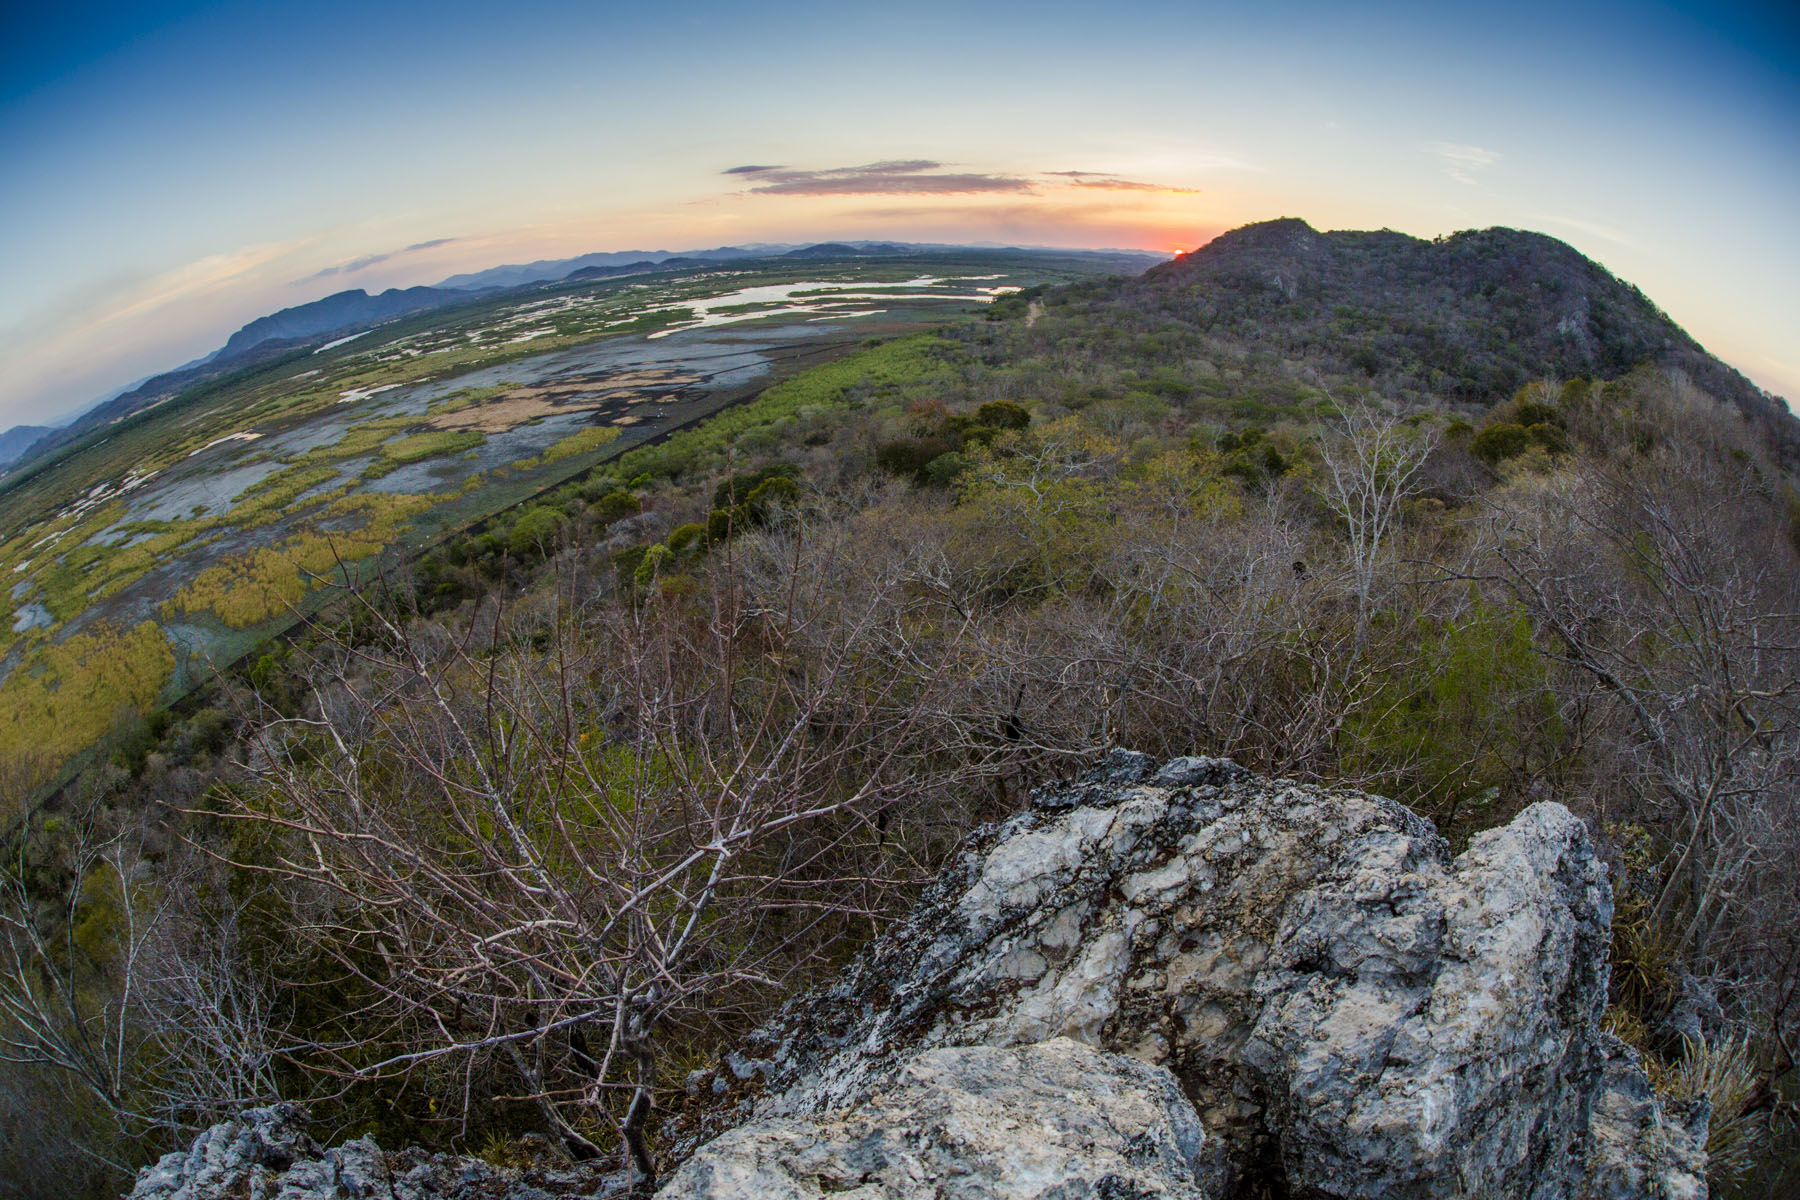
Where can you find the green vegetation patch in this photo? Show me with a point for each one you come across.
(436, 443)
(248, 589)
(580, 443)
(877, 372)
(66, 696)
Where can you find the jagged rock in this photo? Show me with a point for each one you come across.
(1351, 1012)
(1056, 1119)
(1304, 974)
(266, 1154)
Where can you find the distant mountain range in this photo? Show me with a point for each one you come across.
(345, 310)
(19, 439)
(624, 262)
(612, 262)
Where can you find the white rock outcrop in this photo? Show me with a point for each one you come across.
(1177, 980)
(266, 1154)
(1350, 1011)
(1056, 1119)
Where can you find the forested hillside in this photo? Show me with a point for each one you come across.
(511, 841)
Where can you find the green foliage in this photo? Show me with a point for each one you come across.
(67, 695)
(437, 443)
(916, 362)
(584, 442)
(277, 492)
(139, 736)
(946, 469)
(1450, 729)
(536, 531)
(682, 537)
(616, 506)
(1535, 412)
(1014, 306)
(908, 457)
(627, 561)
(777, 491)
(246, 590)
(1037, 511)
(1108, 549)
(1500, 441)
(740, 487)
(1250, 457)
(1003, 414)
(650, 565)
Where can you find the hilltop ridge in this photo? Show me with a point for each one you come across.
(1470, 317)
(341, 310)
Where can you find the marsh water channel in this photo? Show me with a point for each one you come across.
(643, 387)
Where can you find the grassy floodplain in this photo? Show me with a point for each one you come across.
(157, 549)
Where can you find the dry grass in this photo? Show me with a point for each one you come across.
(67, 695)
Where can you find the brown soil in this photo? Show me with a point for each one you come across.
(579, 394)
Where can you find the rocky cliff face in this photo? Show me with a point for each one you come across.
(1187, 981)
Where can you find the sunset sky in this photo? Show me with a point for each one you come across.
(168, 172)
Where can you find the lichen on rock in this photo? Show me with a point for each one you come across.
(1175, 980)
(1350, 1010)
(1017, 1123)
(266, 1154)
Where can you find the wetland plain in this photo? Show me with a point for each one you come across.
(160, 549)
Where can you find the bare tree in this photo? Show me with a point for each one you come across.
(122, 988)
(1371, 467)
(1664, 586)
(546, 854)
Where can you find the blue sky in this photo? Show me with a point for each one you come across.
(168, 172)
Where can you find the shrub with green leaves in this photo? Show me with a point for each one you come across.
(535, 533)
(693, 534)
(739, 488)
(1003, 414)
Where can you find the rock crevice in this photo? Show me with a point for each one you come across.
(1349, 1009)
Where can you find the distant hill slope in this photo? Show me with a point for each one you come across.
(339, 311)
(19, 439)
(678, 263)
(261, 340)
(843, 250)
(1470, 317)
(548, 269)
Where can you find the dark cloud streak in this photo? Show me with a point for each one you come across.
(368, 260)
(908, 177)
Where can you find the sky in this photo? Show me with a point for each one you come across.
(171, 171)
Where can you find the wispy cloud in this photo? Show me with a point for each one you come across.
(1462, 162)
(1109, 182)
(926, 177)
(1594, 228)
(67, 356)
(368, 260)
(910, 177)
